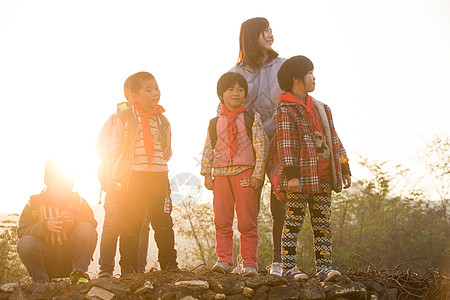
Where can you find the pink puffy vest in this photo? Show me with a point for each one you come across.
(244, 155)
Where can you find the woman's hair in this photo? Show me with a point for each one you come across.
(250, 52)
(228, 80)
(135, 80)
(295, 67)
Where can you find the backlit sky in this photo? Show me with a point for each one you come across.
(382, 66)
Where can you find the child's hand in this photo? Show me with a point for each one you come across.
(55, 224)
(68, 218)
(294, 185)
(209, 182)
(255, 183)
(347, 179)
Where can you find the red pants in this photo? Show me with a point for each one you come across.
(228, 192)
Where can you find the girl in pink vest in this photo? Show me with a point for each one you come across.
(233, 165)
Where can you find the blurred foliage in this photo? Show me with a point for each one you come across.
(379, 218)
(11, 267)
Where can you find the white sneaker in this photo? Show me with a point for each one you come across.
(328, 275)
(249, 272)
(275, 268)
(295, 274)
(222, 267)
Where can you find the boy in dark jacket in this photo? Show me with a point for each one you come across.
(57, 231)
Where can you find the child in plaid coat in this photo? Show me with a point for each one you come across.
(313, 162)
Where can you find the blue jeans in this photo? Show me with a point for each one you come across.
(44, 261)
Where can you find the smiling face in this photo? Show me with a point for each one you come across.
(233, 97)
(266, 39)
(148, 94)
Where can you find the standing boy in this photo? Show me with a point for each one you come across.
(233, 165)
(313, 162)
(138, 151)
(113, 216)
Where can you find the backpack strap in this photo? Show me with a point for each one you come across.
(249, 118)
(212, 128)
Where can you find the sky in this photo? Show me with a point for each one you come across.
(382, 66)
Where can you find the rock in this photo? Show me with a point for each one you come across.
(269, 280)
(355, 290)
(99, 293)
(373, 295)
(309, 290)
(196, 284)
(228, 286)
(9, 287)
(18, 294)
(192, 286)
(106, 284)
(145, 288)
(166, 292)
(77, 296)
(236, 297)
(189, 298)
(220, 296)
(374, 286)
(43, 290)
(282, 293)
(392, 294)
(248, 292)
(261, 293)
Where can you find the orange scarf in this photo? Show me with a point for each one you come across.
(309, 108)
(149, 146)
(232, 129)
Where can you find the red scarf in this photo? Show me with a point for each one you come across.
(149, 146)
(309, 108)
(232, 129)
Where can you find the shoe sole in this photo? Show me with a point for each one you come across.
(301, 277)
(333, 277)
(218, 269)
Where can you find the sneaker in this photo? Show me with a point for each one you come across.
(249, 271)
(171, 267)
(105, 275)
(77, 277)
(240, 266)
(222, 267)
(275, 268)
(328, 275)
(126, 271)
(295, 274)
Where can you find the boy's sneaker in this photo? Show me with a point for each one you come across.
(249, 271)
(77, 277)
(328, 275)
(222, 267)
(171, 267)
(275, 268)
(105, 275)
(295, 274)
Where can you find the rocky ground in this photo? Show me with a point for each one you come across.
(205, 284)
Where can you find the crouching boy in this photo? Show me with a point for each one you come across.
(57, 231)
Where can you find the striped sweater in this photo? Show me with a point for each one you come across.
(41, 207)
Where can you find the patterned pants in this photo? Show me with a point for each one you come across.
(320, 212)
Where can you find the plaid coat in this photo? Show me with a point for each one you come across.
(296, 147)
